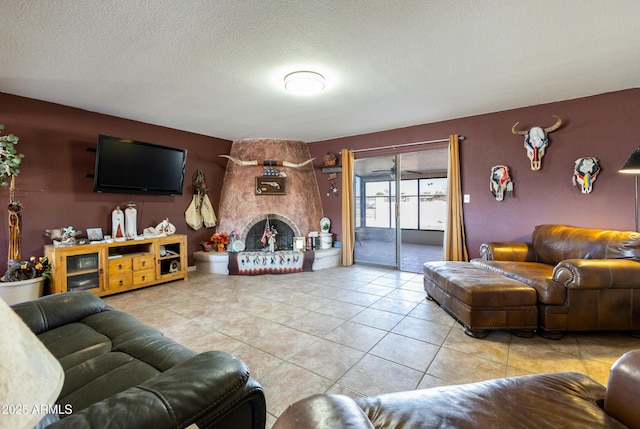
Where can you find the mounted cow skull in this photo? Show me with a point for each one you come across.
(500, 182)
(584, 173)
(536, 141)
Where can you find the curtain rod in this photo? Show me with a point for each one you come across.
(460, 138)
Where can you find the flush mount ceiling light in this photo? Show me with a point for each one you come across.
(304, 83)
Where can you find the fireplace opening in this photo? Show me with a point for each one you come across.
(284, 237)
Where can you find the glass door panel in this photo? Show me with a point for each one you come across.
(375, 211)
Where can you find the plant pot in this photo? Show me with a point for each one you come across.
(21, 291)
(220, 247)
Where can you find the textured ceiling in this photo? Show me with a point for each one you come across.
(216, 67)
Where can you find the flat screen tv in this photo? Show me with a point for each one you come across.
(132, 167)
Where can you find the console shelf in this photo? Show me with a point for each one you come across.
(108, 268)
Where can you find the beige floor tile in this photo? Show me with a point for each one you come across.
(357, 336)
(458, 367)
(429, 381)
(394, 305)
(495, 347)
(328, 359)
(288, 383)
(373, 289)
(316, 323)
(354, 331)
(373, 375)
(405, 351)
(546, 358)
(423, 330)
(340, 309)
(283, 313)
(378, 318)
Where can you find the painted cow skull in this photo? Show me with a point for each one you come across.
(584, 173)
(536, 141)
(500, 182)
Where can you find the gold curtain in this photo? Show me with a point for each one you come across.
(455, 247)
(347, 208)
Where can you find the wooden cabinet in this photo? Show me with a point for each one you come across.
(108, 268)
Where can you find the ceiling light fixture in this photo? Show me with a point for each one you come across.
(304, 83)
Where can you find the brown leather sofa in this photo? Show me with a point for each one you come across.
(585, 279)
(559, 400)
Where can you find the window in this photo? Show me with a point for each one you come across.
(379, 197)
(423, 203)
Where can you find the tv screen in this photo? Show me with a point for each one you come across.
(132, 167)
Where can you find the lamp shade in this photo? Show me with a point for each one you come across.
(632, 166)
(30, 376)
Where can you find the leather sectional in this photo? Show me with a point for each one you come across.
(583, 279)
(121, 373)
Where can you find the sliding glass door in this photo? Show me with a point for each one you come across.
(400, 209)
(376, 211)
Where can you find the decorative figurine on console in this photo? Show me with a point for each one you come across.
(62, 236)
(117, 224)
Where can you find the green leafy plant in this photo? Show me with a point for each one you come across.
(10, 159)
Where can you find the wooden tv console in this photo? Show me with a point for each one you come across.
(108, 268)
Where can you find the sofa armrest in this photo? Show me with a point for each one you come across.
(52, 311)
(508, 251)
(324, 412)
(622, 401)
(597, 273)
(201, 390)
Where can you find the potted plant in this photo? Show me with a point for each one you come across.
(18, 270)
(10, 161)
(220, 240)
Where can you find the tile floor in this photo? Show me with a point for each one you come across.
(356, 331)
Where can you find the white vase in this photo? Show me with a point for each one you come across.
(21, 291)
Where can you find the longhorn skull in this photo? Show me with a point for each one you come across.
(500, 182)
(584, 174)
(536, 141)
(268, 163)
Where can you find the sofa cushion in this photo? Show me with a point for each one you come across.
(536, 275)
(555, 243)
(561, 400)
(75, 343)
(101, 377)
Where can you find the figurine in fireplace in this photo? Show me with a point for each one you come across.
(271, 238)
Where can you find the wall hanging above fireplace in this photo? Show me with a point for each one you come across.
(269, 185)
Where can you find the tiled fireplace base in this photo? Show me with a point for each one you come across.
(218, 262)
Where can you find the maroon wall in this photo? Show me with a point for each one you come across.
(55, 191)
(53, 186)
(604, 126)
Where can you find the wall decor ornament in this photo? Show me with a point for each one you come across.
(266, 185)
(500, 182)
(585, 173)
(536, 140)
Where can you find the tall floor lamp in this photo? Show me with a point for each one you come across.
(632, 166)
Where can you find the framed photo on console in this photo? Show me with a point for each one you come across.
(94, 234)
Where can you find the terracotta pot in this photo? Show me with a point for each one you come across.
(220, 247)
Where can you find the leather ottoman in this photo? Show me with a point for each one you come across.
(480, 299)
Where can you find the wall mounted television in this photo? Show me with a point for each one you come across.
(133, 167)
